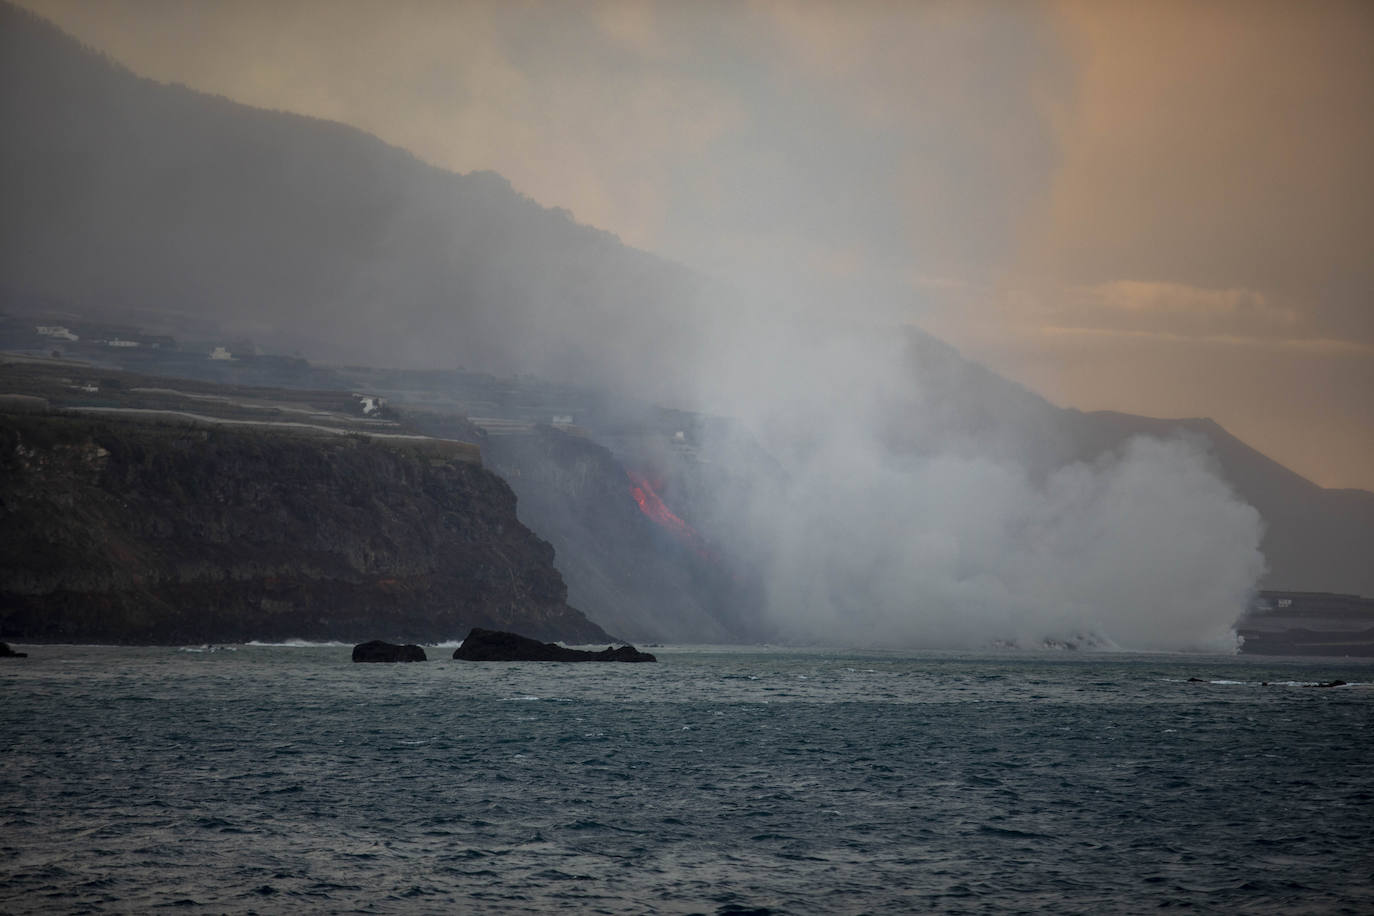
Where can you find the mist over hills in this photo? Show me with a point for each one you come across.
(128, 195)
(888, 489)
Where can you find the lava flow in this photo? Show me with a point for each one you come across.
(651, 505)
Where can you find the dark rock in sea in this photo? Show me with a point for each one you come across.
(1335, 683)
(1196, 680)
(7, 652)
(378, 651)
(494, 646)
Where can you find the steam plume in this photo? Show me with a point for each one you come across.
(897, 523)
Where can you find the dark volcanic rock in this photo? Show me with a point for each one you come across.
(494, 646)
(576, 493)
(142, 532)
(7, 652)
(378, 651)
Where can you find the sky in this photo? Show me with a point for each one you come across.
(1159, 208)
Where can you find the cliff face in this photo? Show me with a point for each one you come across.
(646, 584)
(133, 532)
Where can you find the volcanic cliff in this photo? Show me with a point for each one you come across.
(137, 532)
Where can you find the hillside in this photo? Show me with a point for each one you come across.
(139, 199)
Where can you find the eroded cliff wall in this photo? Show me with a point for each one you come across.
(118, 531)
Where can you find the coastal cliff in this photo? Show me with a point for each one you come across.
(616, 558)
(137, 532)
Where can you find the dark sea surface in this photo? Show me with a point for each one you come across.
(278, 779)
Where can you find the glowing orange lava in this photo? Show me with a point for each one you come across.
(651, 505)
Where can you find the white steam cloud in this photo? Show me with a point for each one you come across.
(1146, 550)
(897, 524)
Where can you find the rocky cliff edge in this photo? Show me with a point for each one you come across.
(132, 532)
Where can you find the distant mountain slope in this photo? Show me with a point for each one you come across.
(122, 193)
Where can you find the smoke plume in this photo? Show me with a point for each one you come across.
(910, 511)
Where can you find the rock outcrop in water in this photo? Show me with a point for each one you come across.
(379, 651)
(7, 652)
(136, 532)
(493, 646)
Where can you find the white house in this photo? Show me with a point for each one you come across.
(370, 404)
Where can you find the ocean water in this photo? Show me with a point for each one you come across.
(264, 779)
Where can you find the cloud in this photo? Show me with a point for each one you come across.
(1244, 305)
(1175, 311)
(1314, 346)
(1217, 145)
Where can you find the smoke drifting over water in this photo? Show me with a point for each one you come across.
(899, 522)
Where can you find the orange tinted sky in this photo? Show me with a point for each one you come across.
(1163, 208)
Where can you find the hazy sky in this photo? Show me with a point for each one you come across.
(1159, 208)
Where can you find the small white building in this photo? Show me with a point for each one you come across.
(220, 353)
(370, 403)
(122, 344)
(57, 331)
